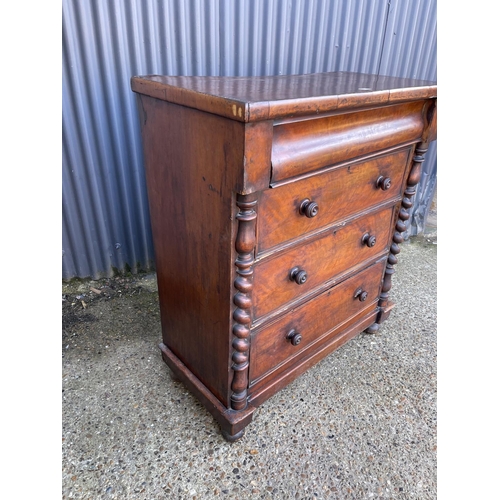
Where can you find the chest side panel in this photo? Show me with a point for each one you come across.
(191, 160)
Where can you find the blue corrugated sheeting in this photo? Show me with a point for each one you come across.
(106, 225)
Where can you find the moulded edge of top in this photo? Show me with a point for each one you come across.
(253, 111)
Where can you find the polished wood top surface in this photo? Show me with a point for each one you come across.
(253, 98)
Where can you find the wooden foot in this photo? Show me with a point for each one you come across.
(231, 422)
(373, 328)
(232, 437)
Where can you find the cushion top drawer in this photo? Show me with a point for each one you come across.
(273, 345)
(302, 146)
(298, 208)
(303, 268)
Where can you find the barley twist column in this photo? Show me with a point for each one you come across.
(384, 304)
(245, 245)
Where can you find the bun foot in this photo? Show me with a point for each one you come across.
(232, 437)
(373, 329)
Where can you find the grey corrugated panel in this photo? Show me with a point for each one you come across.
(410, 49)
(302, 36)
(188, 38)
(411, 39)
(425, 192)
(103, 187)
(105, 214)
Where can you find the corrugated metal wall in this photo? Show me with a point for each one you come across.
(106, 225)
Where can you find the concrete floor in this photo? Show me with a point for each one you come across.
(360, 424)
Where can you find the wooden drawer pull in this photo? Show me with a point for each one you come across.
(369, 240)
(294, 337)
(384, 183)
(308, 208)
(360, 294)
(298, 275)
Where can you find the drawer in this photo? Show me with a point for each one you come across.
(337, 194)
(333, 252)
(302, 146)
(324, 315)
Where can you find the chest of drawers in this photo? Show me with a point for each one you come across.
(277, 206)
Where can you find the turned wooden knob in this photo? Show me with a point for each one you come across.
(360, 294)
(369, 240)
(294, 337)
(298, 275)
(308, 208)
(384, 183)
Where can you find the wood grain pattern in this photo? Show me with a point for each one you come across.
(267, 387)
(190, 196)
(250, 99)
(334, 252)
(339, 193)
(257, 156)
(304, 146)
(315, 318)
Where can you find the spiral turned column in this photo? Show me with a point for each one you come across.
(245, 245)
(384, 304)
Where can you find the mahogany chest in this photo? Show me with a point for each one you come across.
(277, 206)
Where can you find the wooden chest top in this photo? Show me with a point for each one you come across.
(249, 99)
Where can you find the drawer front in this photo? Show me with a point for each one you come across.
(334, 252)
(325, 314)
(337, 194)
(303, 146)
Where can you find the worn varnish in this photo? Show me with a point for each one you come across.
(277, 206)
